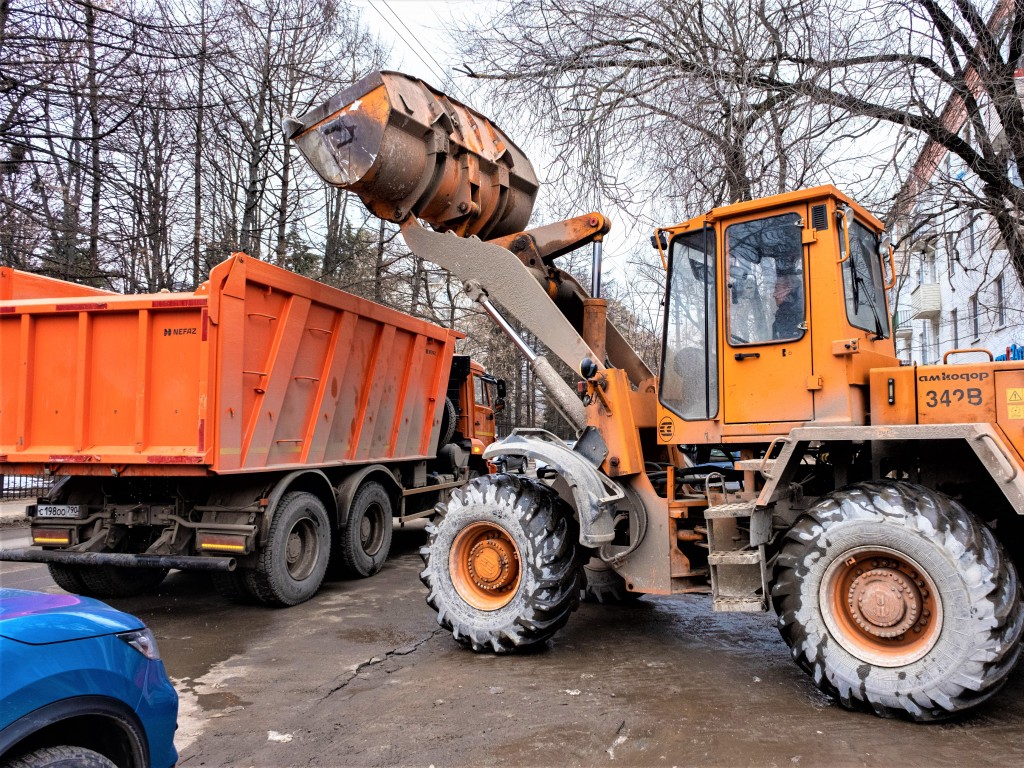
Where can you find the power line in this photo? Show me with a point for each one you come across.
(412, 42)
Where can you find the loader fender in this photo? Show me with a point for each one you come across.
(594, 495)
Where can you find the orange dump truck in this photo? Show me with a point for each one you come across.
(255, 428)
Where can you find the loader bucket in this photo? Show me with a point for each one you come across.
(405, 148)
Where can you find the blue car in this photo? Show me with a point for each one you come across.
(81, 684)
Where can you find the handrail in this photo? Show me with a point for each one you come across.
(966, 350)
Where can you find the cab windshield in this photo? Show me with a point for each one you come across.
(862, 281)
(689, 361)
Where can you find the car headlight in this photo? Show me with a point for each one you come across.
(142, 640)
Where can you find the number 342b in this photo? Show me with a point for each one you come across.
(948, 397)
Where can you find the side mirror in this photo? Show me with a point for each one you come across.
(501, 389)
(499, 405)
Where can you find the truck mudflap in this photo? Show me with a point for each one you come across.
(595, 496)
(122, 559)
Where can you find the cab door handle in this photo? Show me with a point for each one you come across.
(745, 355)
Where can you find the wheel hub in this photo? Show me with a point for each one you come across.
(881, 606)
(884, 602)
(491, 563)
(484, 566)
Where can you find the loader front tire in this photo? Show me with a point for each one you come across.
(602, 584)
(897, 600)
(502, 564)
(291, 566)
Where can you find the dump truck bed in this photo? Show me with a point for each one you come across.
(259, 369)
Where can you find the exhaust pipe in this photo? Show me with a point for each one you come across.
(121, 559)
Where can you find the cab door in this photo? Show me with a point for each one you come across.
(483, 409)
(767, 360)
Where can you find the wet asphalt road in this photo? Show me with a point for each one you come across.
(363, 676)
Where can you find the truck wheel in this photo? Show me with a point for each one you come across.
(603, 585)
(233, 585)
(449, 420)
(897, 600)
(502, 565)
(366, 538)
(291, 566)
(61, 757)
(120, 581)
(68, 577)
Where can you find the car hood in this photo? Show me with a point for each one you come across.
(38, 618)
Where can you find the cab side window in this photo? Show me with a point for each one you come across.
(766, 280)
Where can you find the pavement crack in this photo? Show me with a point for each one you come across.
(404, 650)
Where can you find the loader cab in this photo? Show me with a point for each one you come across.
(775, 312)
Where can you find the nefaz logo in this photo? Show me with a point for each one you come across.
(966, 376)
(179, 331)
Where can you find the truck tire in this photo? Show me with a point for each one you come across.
(449, 421)
(61, 757)
(120, 581)
(67, 577)
(291, 566)
(502, 565)
(603, 585)
(233, 585)
(896, 600)
(366, 537)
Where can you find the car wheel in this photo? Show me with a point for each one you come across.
(61, 757)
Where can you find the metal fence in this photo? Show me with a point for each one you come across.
(23, 486)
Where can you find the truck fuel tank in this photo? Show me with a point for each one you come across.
(405, 148)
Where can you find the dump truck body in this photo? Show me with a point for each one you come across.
(171, 421)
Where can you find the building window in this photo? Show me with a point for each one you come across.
(955, 321)
(1000, 303)
(975, 320)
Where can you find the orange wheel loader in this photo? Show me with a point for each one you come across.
(872, 506)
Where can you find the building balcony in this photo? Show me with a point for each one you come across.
(902, 327)
(926, 302)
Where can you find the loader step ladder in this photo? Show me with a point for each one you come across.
(739, 579)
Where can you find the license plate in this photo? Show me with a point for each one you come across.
(57, 510)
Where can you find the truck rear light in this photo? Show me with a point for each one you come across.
(207, 541)
(49, 537)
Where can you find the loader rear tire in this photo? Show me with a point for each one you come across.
(68, 577)
(603, 585)
(897, 600)
(291, 566)
(120, 581)
(502, 564)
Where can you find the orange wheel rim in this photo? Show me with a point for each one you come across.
(485, 566)
(881, 606)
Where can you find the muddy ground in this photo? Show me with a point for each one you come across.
(363, 676)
